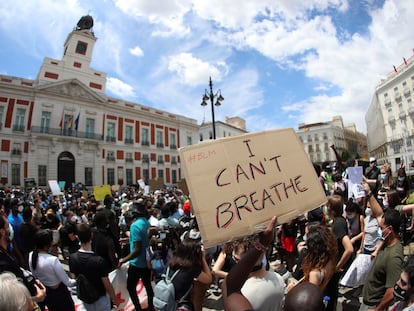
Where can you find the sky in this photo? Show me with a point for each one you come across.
(277, 63)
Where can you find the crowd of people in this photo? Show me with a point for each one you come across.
(156, 235)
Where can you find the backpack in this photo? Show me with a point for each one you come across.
(86, 291)
(164, 293)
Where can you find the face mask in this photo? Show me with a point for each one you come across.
(399, 293)
(368, 212)
(20, 208)
(305, 238)
(401, 179)
(383, 176)
(350, 216)
(11, 233)
(385, 203)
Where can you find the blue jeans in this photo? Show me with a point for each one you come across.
(102, 304)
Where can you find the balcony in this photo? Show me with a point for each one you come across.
(16, 152)
(411, 110)
(397, 96)
(145, 143)
(1, 125)
(160, 161)
(160, 145)
(110, 138)
(110, 158)
(129, 141)
(47, 131)
(145, 159)
(402, 115)
(173, 146)
(173, 161)
(18, 128)
(129, 160)
(387, 101)
(406, 91)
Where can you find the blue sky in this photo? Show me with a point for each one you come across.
(277, 63)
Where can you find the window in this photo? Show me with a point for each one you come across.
(128, 134)
(81, 47)
(174, 176)
(145, 158)
(173, 160)
(173, 143)
(129, 177)
(19, 120)
(90, 128)
(189, 140)
(17, 149)
(160, 159)
(309, 138)
(1, 116)
(110, 156)
(45, 122)
(326, 147)
(159, 139)
(111, 176)
(128, 157)
(120, 176)
(42, 175)
(110, 131)
(15, 174)
(160, 173)
(316, 137)
(310, 148)
(88, 176)
(144, 136)
(201, 136)
(145, 174)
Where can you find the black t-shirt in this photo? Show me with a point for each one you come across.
(184, 280)
(103, 245)
(28, 234)
(340, 229)
(94, 267)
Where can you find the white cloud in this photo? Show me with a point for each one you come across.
(136, 51)
(192, 70)
(120, 88)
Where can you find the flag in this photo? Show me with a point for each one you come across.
(405, 61)
(70, 122)
(61, 121)
(395, 69)
(77, 121)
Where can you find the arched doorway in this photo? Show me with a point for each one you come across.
(66, 168)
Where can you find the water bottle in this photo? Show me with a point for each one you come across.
(326, 301)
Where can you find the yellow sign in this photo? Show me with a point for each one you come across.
(100, 192)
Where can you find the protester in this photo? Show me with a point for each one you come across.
(234, 300)
(14, 296)
(379, 286)
(95, 269)
(304, 297)
(404, 288)
(138, 268)
(48, 269)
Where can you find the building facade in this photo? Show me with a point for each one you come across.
(390, 118)
(317, 139)
(233, 126)
(61, 126)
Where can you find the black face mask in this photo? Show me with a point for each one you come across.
(399, 293)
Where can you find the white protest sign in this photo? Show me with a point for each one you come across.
(355, 182)
(54, 187)
(238, 183)
(141, 183)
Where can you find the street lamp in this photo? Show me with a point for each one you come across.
(212, 96)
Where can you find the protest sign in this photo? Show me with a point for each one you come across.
(100, 192)
(355, 187)
(54, 187)
(238, 183)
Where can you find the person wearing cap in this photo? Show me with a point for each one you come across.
(372, 173)
(138, 268)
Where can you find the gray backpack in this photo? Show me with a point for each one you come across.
(164, 293)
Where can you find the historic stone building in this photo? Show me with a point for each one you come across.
(61, 126)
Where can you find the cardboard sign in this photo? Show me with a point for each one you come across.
(100, 192)
(54, 187)
(238, 183)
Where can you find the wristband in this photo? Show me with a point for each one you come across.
(260, 247)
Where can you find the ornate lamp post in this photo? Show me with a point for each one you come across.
(211, 96)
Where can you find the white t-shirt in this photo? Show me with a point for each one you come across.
(265, 294)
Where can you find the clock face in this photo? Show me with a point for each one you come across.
(81, 47)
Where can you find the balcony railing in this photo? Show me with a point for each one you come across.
(129, 160)
(160, 161)
(173, 146)
(110, 138)
(173, 161)
(145, 143)
(65, 132)
(18, 128)
(129, 141)
(110, 158)
(160, 145)
(145, 159)
(16, 152)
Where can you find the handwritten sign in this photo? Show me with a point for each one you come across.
(238, 183)
(100, 192)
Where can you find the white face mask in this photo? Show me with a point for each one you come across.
(368, 212)
(20, 208)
